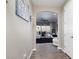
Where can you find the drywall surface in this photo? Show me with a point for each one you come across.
(68, 28)
(18, 34)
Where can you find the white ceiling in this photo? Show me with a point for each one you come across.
(47, 16)
(54, 3)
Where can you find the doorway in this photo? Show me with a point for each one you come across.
(47, 27)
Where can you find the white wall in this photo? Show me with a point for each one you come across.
(37, 9)
(19, 34)
(68, 28)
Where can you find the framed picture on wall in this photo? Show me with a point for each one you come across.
(22, 10)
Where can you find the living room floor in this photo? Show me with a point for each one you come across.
(48, 51)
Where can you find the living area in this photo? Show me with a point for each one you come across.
(47, 28)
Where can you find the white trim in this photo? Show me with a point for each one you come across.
(31, 53)
(64, 51)
(59, 48)
(34, 49)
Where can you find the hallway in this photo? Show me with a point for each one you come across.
(48, 51)
(22, 18)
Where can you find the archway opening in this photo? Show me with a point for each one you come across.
(47, 27)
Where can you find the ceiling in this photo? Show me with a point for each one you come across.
(54, 3)
(46, 17)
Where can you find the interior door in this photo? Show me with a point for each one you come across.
(68, 29)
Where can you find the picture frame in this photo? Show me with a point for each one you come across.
(22, 10)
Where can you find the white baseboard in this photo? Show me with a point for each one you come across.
(31, 53)
(61, 49)
(64, 52)
(34, 49)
